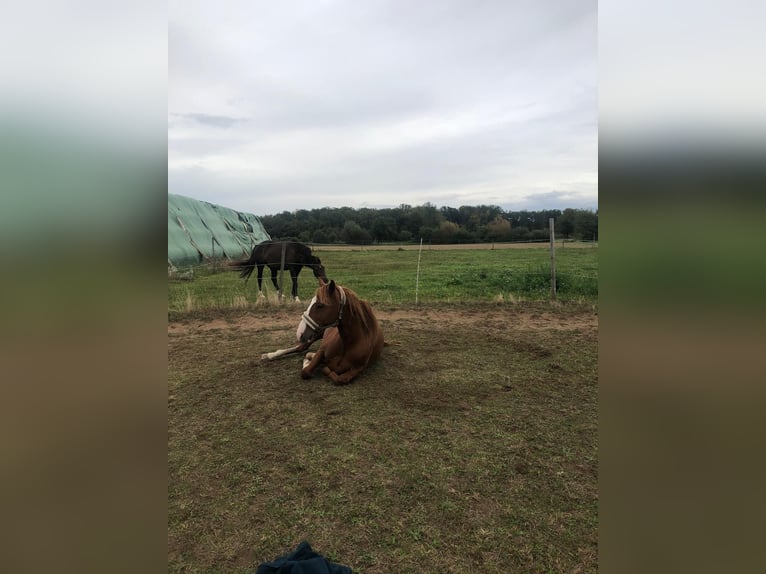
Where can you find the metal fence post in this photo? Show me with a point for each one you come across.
(553, 260)
(282, 270)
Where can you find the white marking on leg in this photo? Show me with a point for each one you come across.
(307, 359)
(281, 352)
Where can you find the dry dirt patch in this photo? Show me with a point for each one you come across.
(289, 318)
(471, 446)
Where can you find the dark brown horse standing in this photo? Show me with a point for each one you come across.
(350, 332)
(269, 254)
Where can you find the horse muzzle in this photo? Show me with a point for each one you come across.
(309, 330)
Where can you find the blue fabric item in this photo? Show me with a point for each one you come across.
(302, 560)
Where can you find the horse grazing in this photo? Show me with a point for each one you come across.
(350, 333)
(269, 254)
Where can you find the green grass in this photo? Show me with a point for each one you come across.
(389, 276)
(471, 446)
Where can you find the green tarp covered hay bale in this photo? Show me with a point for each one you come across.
(199, 231)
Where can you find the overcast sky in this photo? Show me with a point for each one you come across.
(276, 106)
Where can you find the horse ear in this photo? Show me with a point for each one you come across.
(322, 281)
(331, 288)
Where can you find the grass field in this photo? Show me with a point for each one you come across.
(391, 276)
(471, 446)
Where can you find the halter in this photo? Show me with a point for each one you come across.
(316, 327)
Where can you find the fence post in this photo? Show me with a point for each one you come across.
(417, 277)
(282, 270)
(553, 260)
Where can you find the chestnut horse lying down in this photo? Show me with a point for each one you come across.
(350, 333)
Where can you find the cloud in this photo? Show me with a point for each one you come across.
(347, 103)
(212, 120)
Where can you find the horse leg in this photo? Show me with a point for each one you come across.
(343, 378)
(345, 366)
(281, 352)
(274, 279)
(313, 361)
(307, 359)
(260, 280)
(330, 350)
(294, 276)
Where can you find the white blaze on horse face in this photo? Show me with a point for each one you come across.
(302, 324)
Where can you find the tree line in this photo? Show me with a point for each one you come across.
(407, 223)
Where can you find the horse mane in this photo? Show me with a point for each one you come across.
(302, 250)
(360, 308)
(306, 254)
(355, 306)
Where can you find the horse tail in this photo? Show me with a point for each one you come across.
(247, 272)
(245, 267)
